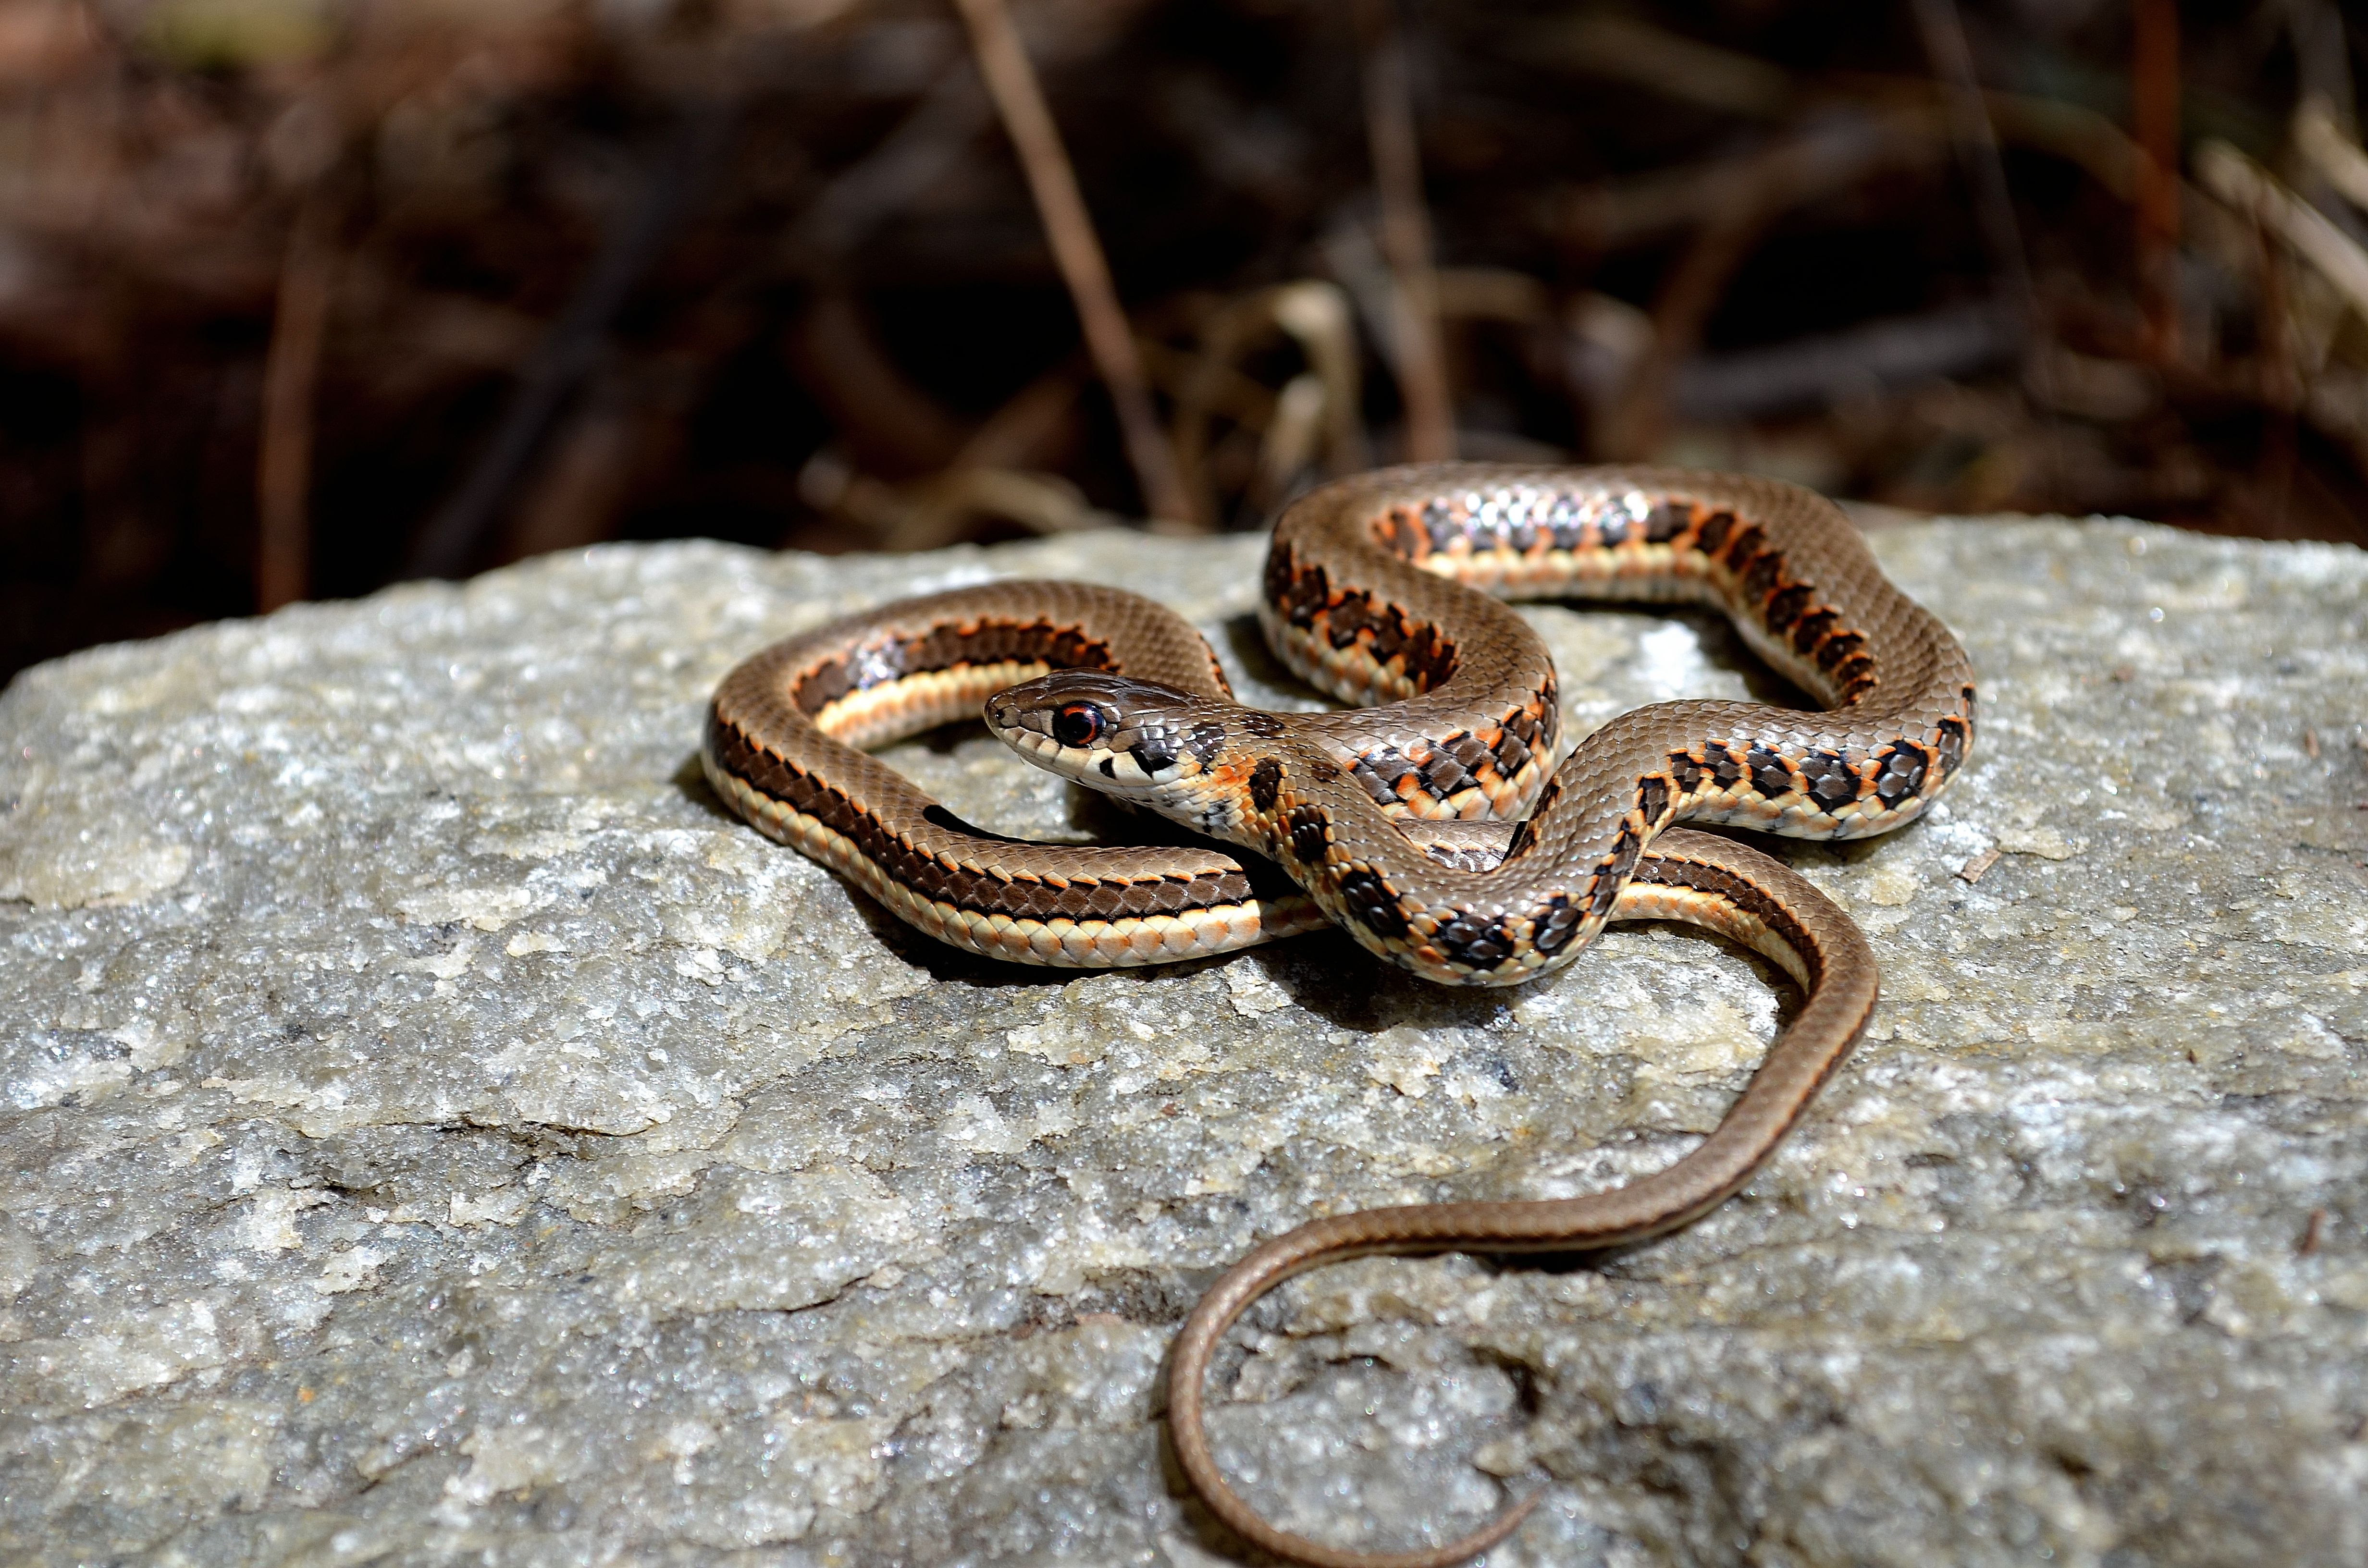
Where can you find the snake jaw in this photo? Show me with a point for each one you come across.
(1142, 742)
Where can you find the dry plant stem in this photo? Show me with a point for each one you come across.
(1422, 362)
(1290, 441)
(2153, 100)
(1898, 134)
(1752, 193)
(283, 469)
(1318, 314)
(1977, 137)
(1018, 98)
(922, 149)
(586, 481)
(1315, 314)
(2316, 32)
(2336, 156)
(2282, 387)
(455, 537)
(887, 423)
(1793, 174)
(1827, 368)
(2248, 188)
(1624, 49)
(2079, 136)
(1601, 44)
(1683, 309)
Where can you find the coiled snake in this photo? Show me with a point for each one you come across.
(1425, 821)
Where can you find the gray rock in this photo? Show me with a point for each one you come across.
(436, 1132)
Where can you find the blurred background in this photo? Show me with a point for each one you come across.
(302, 297)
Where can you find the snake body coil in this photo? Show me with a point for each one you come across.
(1427, 822)
(1358, 600)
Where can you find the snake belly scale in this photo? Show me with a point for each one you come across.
(1430, 823)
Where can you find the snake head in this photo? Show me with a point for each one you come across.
(1124, 737)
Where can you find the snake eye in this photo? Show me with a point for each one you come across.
(1077, 724)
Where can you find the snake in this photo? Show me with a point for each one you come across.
(1431, 820)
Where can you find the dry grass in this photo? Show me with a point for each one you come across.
(296, 297)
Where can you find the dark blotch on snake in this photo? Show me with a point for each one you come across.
(1444, 776)
(1265, 784)
(1379, 772)
(1258, 724)
(1439, 523)
(1831, 783)
(1769, 774)
(1279, 574)
(1345, 620)
(1953, 744)
(1555, 928)
(1468, 749)
(1525, 831)
(1430, 658)
(1761, 578)
(1812, 628)
(1902, 775)
(1653, 800)
(1308, 837)
(1368, 899)
(1474, 942)
(1615, 875)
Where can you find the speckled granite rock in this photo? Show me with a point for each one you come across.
(434, 1132)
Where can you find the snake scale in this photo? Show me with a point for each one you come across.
(1429, 821)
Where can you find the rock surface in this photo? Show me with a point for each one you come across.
(434, 1132)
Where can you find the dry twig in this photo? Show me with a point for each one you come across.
(1052, 181)
(455, 537)
(1602, 43)
(888, 424)
(2253, 192)
(1680, 314)
(1752, 194)
(1977, 137)
(283, 469)
(2154, 97)
(1824, 159)
(2336, 156)
(1315, 411)
(1421, 363)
